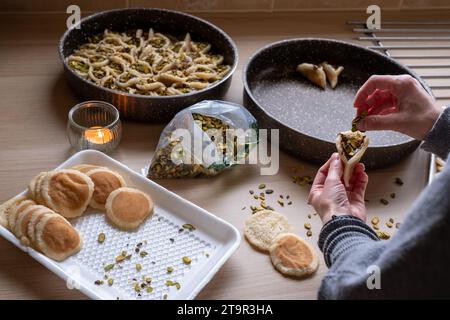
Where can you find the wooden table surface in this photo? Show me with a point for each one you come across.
(34, 101)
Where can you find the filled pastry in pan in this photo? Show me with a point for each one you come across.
(332, 73)
(351, 146)
(314, 73)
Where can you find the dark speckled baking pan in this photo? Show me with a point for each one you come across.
(140, 107)
(308, 117)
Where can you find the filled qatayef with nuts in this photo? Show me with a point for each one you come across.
(351, 146)
(332, 73)
(313, 73)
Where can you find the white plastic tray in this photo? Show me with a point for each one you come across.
(209, 246)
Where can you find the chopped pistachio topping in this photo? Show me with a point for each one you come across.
(187, 260)
(188, 226)
(109, 267)
(101, 238)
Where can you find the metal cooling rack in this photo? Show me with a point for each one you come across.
(407, 40)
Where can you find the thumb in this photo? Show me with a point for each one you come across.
(336, 169)
(380, 122)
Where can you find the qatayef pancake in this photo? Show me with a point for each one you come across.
(263, 227)
(21, 227)
(351, 147)
(105, 181)
(84, 168)
(34, 187)
(16, 210)
(68, 192)
(56, 238)
(5, 208)
(314, 73)
(293, 256)
(34, 220)
(127, 208)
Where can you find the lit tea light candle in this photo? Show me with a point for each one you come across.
(94, 125)
(98, 135)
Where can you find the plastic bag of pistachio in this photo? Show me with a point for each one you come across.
(203, 140)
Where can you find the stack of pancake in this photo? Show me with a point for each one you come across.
(39, 219)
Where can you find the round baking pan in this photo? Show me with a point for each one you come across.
(141, 107)
(308, 117)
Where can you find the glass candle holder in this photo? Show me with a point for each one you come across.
(94, 125)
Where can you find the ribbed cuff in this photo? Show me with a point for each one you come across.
(341, 234)
(437, 140)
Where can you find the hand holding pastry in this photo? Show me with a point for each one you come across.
(330, 197)
(396, 103)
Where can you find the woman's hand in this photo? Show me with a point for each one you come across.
(396, 103)
(329, 196)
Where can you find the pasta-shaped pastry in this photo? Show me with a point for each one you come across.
(147, 63)
(351, 146)
(332, 73)
(313, 73)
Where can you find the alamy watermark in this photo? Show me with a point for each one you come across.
(231, 146)
(374, 279)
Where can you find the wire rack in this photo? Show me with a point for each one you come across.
(424, 46)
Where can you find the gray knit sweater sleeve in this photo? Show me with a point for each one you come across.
(414, 263)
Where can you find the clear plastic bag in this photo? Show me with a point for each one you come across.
(204, 140)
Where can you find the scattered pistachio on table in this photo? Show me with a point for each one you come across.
(383, 235)
(398, 181)
(375, 220)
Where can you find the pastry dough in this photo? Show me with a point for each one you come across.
(314, 73)
(351, 146)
